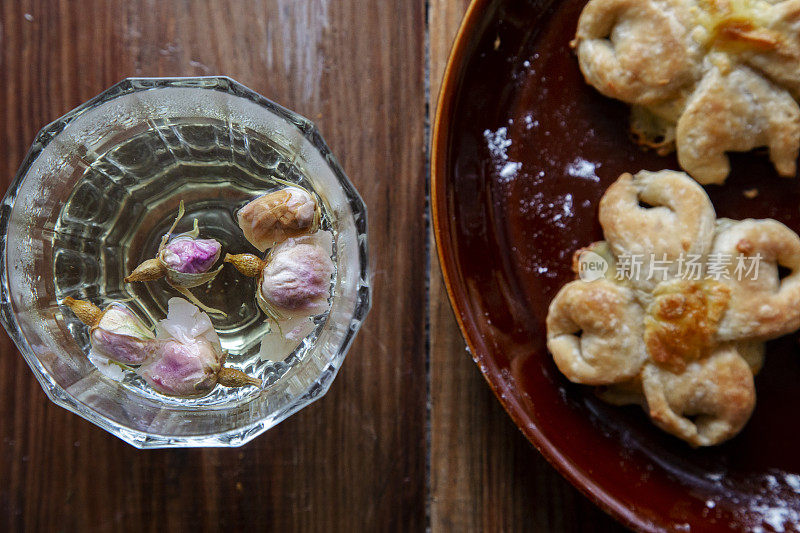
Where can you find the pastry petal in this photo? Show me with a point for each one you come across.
(594, 331)
(680, 220)
(623, 57)
(778, 57)
(762, 305)
(736, 112)
(706, 404)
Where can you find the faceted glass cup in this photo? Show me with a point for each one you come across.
(96, 191)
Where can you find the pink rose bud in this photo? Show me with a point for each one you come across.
(182, 369)
(184, 358)
(276, 216)
(193, 256)
(120, 336)
(297, 278)
(187, 357)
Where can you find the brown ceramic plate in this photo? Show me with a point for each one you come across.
(522, 151)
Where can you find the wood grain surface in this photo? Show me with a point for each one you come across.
(370, 456)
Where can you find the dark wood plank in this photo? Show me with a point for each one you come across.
(485, 476)
(353, 461)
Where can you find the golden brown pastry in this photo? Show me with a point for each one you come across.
(776, 52)
(679, 221)
(682, 342)
(736, 112)
(610, 347)
(624, 58)
(682, 319)
(707, 403)
(767, 306)
(719, 76)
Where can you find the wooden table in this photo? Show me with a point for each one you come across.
(409, 436)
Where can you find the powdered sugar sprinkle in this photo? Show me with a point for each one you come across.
(581, 168)
(498, 143)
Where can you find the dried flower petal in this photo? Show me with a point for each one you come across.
(186, 323)
(119, 348)
(280, 342)
(184, 259)
(107, 367)
(295, 278)
(276, 216)
(294, 285)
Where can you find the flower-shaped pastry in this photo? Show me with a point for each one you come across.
(704, 77)
(681, 332)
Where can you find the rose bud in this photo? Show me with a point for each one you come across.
(297, 278)
(115, 333)
(185, 358)
(294, 280)
(178, 369)
(274, 217)
(188, 358)
(184, 260)
(191, 256)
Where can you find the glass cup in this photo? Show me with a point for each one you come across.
(91, 200)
